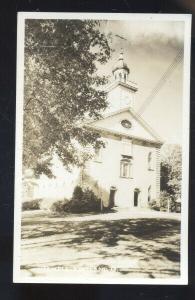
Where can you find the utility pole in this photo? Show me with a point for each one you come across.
(101, 202)
(168, 205)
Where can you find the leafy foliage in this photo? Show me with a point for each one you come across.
(59, 206)
(62, 88)
(164, 203)
(82, 201)
(154, 204)
(171, 171)
(31, 205)
(77, 193)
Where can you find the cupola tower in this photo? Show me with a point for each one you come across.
(121, 91)
(120, 70)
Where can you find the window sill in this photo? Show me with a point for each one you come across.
(125, 177)
(150, 169)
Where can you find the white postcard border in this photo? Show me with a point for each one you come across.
(183, 280)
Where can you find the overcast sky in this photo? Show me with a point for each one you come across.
(150, 48)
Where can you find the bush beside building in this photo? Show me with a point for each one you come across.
(82, 201)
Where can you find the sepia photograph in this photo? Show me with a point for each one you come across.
(102, 148)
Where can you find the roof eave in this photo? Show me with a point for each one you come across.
(118, 133)
(130, 85)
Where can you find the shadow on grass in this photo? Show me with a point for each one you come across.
(142, 239)
(108, 232)
(169, 254)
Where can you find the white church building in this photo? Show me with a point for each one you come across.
(127, 170)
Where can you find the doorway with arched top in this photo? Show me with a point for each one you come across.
(136, 197)
(113, 190)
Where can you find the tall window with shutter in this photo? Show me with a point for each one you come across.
(126, 167)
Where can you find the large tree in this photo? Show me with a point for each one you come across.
(62, 88)
(171, 170)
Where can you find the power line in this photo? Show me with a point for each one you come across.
(162, 81)
(120, 37)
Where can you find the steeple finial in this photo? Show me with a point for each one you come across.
(120, 70)
(121, 55)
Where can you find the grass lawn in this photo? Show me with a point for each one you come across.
(142, 247)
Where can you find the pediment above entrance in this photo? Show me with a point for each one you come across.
(126, 122)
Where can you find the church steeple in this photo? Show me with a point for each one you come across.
(121, 91)
(120, 70)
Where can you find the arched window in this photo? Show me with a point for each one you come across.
(149, 193)
(120, 76)
(125, 77)
(125, 168)
(150, 161)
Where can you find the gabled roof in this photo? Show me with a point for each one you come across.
(141, 131)
(129, 84)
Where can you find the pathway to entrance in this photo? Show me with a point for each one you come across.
(116, 214)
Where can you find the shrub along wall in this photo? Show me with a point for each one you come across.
(82, 201)
(163, 203)
(31, 205)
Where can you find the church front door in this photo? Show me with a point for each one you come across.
(112, 196)
(136, 197)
